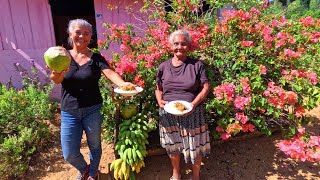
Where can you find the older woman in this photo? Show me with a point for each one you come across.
(183, 78)
(81, 100)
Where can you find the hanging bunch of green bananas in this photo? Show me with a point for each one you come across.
(121, 170)
(131, 146)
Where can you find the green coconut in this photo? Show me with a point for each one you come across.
(57, 58)
(129, 110)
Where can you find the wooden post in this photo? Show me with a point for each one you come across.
(116, 131)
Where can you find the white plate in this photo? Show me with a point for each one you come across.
(128, 93)
(169, 107)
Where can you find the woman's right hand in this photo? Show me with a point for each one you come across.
(58, 77)
(162, 103)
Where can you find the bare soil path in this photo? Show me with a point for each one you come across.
(248, 158)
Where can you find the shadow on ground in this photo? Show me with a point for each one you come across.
(249, 158)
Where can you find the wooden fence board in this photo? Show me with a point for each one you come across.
(99, 18)
(50, 19)
(40, 25)
(21, 24)
(1, 46)
(6, 26)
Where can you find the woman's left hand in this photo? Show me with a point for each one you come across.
(123, 84)
(193, 108)
(127, 84)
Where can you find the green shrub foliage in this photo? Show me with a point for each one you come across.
(22, 129)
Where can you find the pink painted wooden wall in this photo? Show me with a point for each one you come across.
(119, 16)
(26, 32)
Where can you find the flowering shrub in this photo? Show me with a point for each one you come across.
(263, 70)
(268, 69)
(303, 146)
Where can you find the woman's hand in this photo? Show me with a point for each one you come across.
(193, 108)
(58, 77)
(127, 84)
(162, 103)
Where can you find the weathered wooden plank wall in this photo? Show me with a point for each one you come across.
(1, 46)
(26, 24)
(40, 19)
(26, 31)
(6, 26)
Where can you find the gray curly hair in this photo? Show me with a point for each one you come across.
(77, 22)
(183, 32)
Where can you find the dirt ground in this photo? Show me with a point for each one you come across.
(253, 157)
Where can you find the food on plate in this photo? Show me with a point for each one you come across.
(129, 87)
(57, 58)
(180, 107)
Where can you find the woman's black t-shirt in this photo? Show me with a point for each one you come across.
(80, 86)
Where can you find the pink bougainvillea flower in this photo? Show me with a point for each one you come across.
(313, 77)
(100, 42)
(266, 4)
(219, 129)
(301, 146)
(263, 69)
(307, 21)
(255, 11)
(299, 111)
(233, 128)
(291, 53)
(314, 141)
(301, 50)
(291, 97)
(245, 85)
(127, 64)
(275, 23)
(125, 48)
(301, 130)
(138, 80)
(247, 128)
(225, 136)
(247, 43)
(225, 89)
(242, 118)
(240, 102)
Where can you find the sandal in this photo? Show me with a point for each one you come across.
(84, 175)
(179, 178)
(96, 177)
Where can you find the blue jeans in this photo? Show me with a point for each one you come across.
(73, 123)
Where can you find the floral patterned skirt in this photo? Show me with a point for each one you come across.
(188, 135)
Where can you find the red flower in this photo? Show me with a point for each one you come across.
(247, 43)
(291, 97)
(300, 111)
(301, 49)
(219, 129)
(307, 21)
(100, 42)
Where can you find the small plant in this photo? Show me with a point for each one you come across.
(31, 77)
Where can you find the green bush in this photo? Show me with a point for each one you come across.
(275, 8)
(296, 10)
(22, 129)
